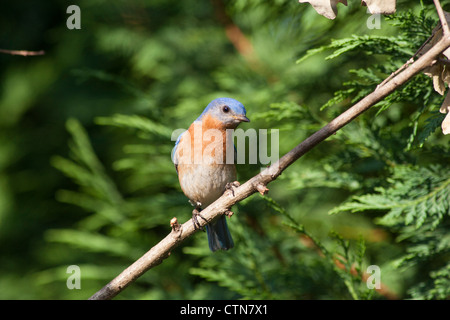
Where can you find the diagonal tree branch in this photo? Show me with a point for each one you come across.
(259, 182)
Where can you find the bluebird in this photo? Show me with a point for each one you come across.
(202, 159)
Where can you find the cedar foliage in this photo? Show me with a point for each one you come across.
(376, 193)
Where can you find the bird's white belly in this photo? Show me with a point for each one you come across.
(206, 183)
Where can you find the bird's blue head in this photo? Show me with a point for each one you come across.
(229, 112)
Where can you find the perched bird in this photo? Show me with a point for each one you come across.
(202, 159)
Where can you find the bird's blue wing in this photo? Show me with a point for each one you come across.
(173, 156)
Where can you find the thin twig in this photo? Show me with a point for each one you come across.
(411, 60)
(23, 52)
(444, 61)
(442, 18)
(396, 72)
(162, 250)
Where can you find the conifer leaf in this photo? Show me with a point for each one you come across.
(140, 123)
(415, 197)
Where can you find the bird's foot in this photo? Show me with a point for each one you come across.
(195, 215)
(231, 186)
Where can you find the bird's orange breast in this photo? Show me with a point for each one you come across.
(205, 143)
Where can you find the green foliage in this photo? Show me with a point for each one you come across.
(347, 261)
(86, 133)
(414, 199)
(416, 202)
(415, 194)
(414, 30)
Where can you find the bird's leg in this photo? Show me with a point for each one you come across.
(231, 186)
(195, 215)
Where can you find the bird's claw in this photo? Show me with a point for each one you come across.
(195, 215)
(231, 186)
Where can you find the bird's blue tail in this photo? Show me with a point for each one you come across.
(219, 236)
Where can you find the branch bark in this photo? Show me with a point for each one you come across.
(442, 17)
(259, 182)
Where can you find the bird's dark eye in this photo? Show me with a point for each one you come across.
(226, 109)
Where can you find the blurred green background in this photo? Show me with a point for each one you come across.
(85, 140)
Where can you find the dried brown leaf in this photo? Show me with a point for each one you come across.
(445, 108)
(326, 8)
(436, 71)
(446, 124)
(380, 6)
